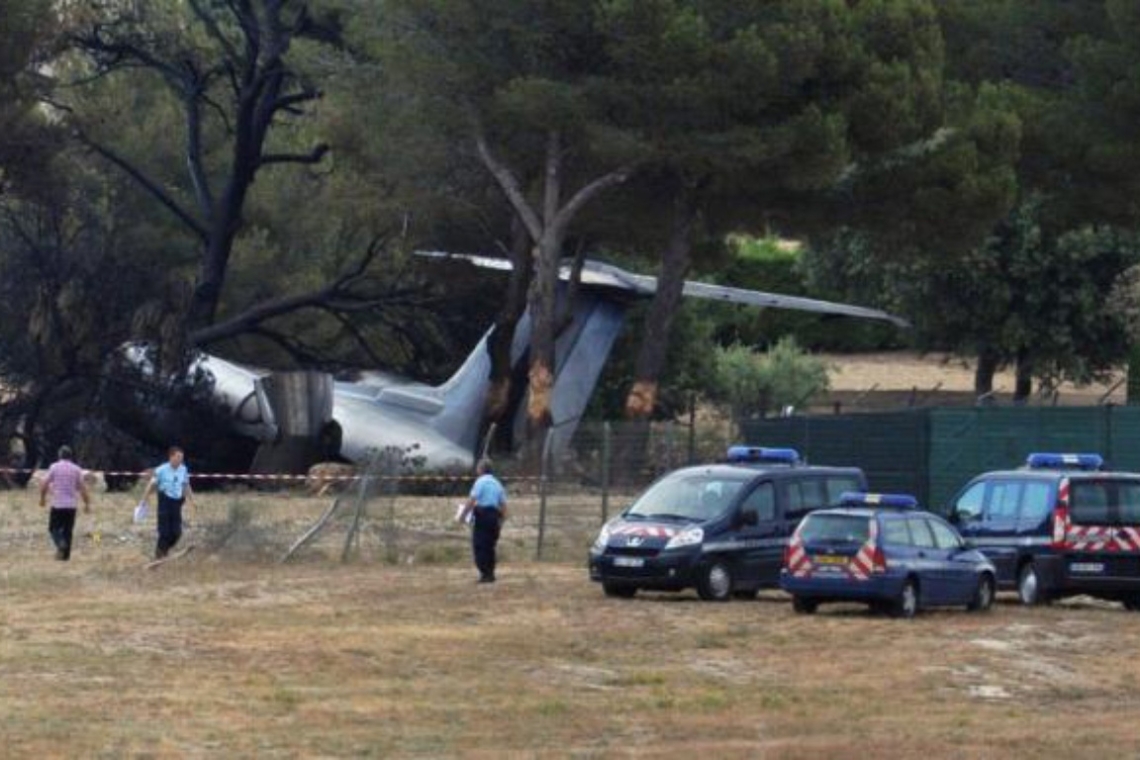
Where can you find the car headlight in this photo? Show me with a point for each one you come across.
(603, 538)
(687, 537)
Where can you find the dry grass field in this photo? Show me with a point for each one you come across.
(227, 653)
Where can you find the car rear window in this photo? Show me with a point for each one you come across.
(1105, 502)
(836, 528)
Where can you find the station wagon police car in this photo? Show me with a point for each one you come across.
(719, 528)
(882, 550)
(1060, 526)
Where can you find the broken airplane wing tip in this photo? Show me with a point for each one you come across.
(600, 274)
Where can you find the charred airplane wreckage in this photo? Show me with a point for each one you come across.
(292, 419)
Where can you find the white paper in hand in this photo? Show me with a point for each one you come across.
(460, 517)
(140, 512)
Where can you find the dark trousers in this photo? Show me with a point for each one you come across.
(484, 536)
(61, 525)
(169, 524)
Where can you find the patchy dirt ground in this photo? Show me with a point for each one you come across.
(223, 655)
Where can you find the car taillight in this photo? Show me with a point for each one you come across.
(1061, 516)
(878, 561)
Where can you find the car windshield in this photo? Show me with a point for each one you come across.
(853, 529)
(689, 495)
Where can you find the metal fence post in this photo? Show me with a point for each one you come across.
(607, 432)
(544, 471)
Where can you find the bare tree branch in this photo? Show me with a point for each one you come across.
(508, 183)
(588, 192)
(147, 183)
(312, 157)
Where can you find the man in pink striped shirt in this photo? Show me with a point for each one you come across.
(65, 481)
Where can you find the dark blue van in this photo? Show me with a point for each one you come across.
(718, 528)
(1059, 526)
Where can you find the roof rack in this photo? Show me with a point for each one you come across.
(762, 455)
(1051, 461)
(890, 500)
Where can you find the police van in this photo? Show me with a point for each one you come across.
(1060, 526)
(718, 528)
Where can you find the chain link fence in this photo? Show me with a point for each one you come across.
(390, 513)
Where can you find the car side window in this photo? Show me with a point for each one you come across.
(805, 495)
(1004, 497)
(969, 506)
(762, 501)
(895, 533)
(944, 538)
(837, 485)
(1036, 503)
(920, 533)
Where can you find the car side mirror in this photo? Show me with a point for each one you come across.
(749, 517)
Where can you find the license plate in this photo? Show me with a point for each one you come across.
(830, 559)
(1086, 567)
(629, 562)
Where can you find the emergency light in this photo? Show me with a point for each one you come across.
(1064, 461)
(761, 454)
(895, 500)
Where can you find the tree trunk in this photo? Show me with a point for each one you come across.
(641, 400)
(988, 360)
(540, 376)
(1023, 386)
(1134, 376)
(675, 263)
(501, 338)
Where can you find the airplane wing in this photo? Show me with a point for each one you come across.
(598, 274)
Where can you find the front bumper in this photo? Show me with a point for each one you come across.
(668, 571)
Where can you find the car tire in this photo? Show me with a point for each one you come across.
(715, 581)
(907, 602)
(1029, 586)
(619, 591)
(1132, 603)
(803, 606)
(983, 594)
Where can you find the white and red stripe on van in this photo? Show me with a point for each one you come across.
(1089, 538)
(649, 531)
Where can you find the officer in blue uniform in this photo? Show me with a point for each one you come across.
(489, 501)
(172, 482)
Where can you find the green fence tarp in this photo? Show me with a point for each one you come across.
(932, 453)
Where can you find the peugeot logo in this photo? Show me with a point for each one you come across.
(634, 541)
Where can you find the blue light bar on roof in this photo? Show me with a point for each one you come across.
(1064, 461)
(895, 500)
(762, 454)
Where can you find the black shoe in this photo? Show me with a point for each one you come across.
(486, 579)
(60, 555)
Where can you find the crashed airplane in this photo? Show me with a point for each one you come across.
(442, 423)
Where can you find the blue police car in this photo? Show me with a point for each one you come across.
(882, 550)
(720, 528)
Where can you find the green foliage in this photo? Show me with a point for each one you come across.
(750, 383)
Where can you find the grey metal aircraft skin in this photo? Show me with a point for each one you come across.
(440, 425)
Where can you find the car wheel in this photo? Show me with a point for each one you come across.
(804, 606)
(1132, 603)
(983, 594)
(715, 582)
(906, 605)
(1029, 585)
(620, 592)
